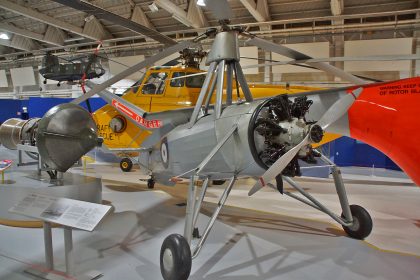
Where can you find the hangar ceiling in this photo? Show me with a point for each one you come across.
(37, 26)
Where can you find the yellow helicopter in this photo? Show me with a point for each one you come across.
(167, 88)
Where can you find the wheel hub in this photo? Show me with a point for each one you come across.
(355, 225)
(168, 260)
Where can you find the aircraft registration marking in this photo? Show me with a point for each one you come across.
(135, 117)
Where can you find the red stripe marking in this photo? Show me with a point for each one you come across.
(262, 181)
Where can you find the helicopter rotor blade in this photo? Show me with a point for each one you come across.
(293, 54)
(149, 61)
(109, 16)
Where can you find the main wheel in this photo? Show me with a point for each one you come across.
(175, 258)
(362, 223)
(126, 164)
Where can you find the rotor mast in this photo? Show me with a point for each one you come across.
(223, 57)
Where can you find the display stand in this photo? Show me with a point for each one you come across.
(69, 213)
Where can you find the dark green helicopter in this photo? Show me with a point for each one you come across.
(79, 69)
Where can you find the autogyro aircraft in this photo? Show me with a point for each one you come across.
(261, 138)
(167, 88)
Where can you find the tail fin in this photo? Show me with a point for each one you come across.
(387, 117)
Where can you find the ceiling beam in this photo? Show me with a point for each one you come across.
(179, 14)
(258, 10)
(140, 17)
(53, 36)
(33, 14)
(337, 7)
(195, 14)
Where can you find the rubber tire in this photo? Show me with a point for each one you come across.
(181, 257)
(126, 164)
(365, 224)
(218, 182)
(150, 184)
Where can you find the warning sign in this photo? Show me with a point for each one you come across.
(135, 117)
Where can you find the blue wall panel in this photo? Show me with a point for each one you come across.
(9, 109)
(38, 106)
(346, 151)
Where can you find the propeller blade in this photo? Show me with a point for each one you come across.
(290, 53)
(149, 61)
(338, 109)
(220, 9)
(278, 166)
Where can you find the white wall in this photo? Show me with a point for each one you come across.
(115, 67)
(3, 79)
(378, 47)
(23, 76)
(251, 52)
(315, 50)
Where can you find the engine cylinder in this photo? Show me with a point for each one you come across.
(16, 131)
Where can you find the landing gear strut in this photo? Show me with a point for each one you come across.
(354, 219)
(177, 253)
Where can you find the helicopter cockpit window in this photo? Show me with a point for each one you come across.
(178, 82)
(155, 83)
(195, 81)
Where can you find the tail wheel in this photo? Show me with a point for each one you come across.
(218, 182)
(362, 223)
(150, 184)
(175, 258)
(126, 164)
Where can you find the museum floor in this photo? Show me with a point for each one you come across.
(268, 236)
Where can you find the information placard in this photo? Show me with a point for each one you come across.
(64, 211)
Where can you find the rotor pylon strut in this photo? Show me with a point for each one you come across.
(224, 68)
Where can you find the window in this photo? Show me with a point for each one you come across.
(135, 87)
(195, 81)
(155, 83)
(179, 82)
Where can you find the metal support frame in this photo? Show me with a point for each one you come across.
(51, 274)
(219, 89)
(193, 210)
(313, 202)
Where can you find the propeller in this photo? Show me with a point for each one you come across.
(336, 111)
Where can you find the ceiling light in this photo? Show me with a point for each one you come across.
(89, 18)
(201, 3)
(153, 7)
(4, 36)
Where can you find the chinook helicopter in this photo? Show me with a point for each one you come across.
(77, 69)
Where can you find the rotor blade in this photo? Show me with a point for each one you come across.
(278, 166)
(338, 109)
(114, 18)
(220, 9)
(290, 53)
(149, 61)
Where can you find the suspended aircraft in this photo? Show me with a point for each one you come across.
(77, 69)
